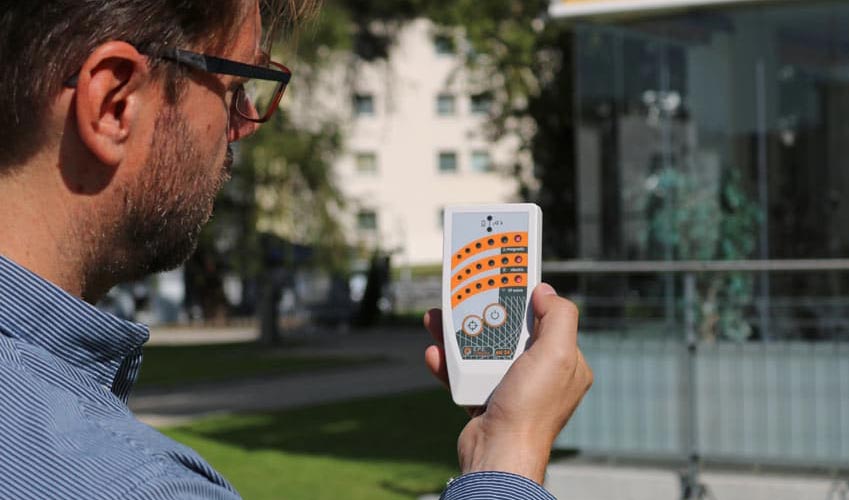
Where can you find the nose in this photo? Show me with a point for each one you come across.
(241, 127)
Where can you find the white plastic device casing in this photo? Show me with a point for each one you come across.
(491, 265)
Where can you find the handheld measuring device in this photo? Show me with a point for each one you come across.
(491, 265)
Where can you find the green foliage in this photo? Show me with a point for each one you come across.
(505, 41)
(282, 184)
(390, 448)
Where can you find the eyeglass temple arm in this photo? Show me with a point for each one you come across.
(214, 64)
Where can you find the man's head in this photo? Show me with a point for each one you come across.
(129, 146)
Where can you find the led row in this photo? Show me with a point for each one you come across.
(489, 243)
(486, 284)
(489, 263)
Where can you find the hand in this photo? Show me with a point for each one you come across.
(515, 431)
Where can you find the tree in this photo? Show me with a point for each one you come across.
(283, 180)
(281, 185)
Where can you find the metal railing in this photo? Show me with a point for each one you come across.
(726, 401)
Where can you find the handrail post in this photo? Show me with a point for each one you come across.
(691, 487)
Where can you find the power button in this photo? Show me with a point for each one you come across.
(495, 315)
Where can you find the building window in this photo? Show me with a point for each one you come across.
(366, 220)
(481, 104)
(481, 161)
(363, 105)
(366, 163)
(447, 162)
(444, 45)
(446, 105)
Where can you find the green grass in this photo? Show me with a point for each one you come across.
(166, 366)
(389, 448)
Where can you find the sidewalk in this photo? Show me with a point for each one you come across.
(200, 334)
(579, 481)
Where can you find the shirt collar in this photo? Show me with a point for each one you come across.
(42, 314)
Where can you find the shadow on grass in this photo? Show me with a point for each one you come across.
(415, 427)
(168, 366)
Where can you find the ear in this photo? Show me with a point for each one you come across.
(109, 99)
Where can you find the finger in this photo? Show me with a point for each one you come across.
(435, 361)
(556, 319)
(433, 324)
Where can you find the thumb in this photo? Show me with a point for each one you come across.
(556, 318)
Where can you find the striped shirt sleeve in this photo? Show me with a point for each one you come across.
(494, 486)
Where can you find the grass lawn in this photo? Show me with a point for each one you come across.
(397, 447)
(165, 366)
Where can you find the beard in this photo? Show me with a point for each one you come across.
(164, 210)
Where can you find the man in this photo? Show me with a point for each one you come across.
(118, 119)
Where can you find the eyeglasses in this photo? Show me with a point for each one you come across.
(256, 100)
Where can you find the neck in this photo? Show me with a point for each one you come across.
(34, 232)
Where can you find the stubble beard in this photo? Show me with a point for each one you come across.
(165, 210)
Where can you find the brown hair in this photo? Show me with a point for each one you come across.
(43, 42)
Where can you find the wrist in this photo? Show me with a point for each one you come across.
(511, 453)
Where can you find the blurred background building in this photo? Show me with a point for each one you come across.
(417, 142)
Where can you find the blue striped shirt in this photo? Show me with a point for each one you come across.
(66, 371)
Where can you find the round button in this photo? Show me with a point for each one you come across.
(472, 325)
(495, 315)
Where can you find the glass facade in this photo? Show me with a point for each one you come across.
(718, 134)
(674, 111)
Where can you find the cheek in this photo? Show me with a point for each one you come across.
(209, 115)
(212, 136)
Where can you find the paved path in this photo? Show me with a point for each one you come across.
(403, 371)
(580, 481)
(188, 335)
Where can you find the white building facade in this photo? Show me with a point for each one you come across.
(416, 141)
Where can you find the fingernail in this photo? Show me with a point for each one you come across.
(546, 289)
